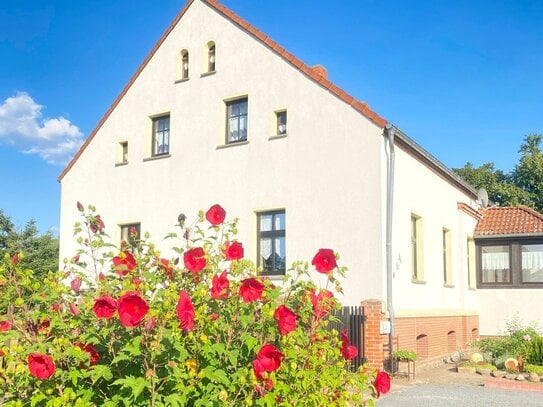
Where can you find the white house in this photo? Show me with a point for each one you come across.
(220, 113)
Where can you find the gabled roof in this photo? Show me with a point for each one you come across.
(314, 73)
(509, 220)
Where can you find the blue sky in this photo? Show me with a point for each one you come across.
(462, 78)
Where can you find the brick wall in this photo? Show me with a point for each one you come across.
(433, 338)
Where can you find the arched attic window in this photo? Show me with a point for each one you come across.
(184, 64)
(210, 56)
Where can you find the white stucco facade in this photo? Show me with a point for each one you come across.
(328, 173)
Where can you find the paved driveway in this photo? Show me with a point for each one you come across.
(456, 395)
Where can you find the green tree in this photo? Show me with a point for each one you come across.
(40, 251)
(501, 190)
(528, 173)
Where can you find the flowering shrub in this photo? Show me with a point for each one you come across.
(127, 327)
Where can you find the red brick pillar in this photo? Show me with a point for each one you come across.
(373, 341)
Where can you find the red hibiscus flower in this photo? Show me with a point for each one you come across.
(41, 366)
(382, 383)
(75, 285)
(91, 350)
(73, 309)
(104, 307)
(268, 360)
(324, 261)
(194, 259)
(167, 267)
(215, 215)
(132, 309)
(286, 319)
(233, 251)
(15, 259)
(124, 263)
(220, 286)
(185, 311)
(97, 224)
(347, 350)
(5, 326)
(80, 207)
(150, 324)
(322, 302)
(251, 290)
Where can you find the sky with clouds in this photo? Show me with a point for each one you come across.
(462, 78)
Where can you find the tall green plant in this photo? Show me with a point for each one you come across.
(127, 327)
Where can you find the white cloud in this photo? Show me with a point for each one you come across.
(22, 126)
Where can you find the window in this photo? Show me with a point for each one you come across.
(184, 64)
(211, 56)
(271, 242)
(416, 249)
(510, 263)
(447, 257)
(161, 135)
(130, 233)
(532, 263)
(281, 120)
(236, 120)
(471, 263)
(122, 152)
(495, 264)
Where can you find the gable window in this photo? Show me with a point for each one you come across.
(416, 249)
(130, 233)
(447, 258)
(161, 135)
(122, 153)
(281, 123)
(271, 242)
(210, 56)
(236, 120)
(184, 64)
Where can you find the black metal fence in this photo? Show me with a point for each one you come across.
(352, 319)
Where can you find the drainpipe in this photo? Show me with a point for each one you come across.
(390, 131)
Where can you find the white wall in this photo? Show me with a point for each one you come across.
(420, 191)
(326, 173)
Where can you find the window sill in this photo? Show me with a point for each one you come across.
(121, 164)
(181, 80)
(157, 157)
(448, 285)
(415, 281)
(278, 136)
(236, 143)
(273, 277)
(207, 74)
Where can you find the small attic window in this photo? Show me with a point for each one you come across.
(122, 153)
(184, 64)
(211, 56)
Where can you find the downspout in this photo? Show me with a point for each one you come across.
(390, 131)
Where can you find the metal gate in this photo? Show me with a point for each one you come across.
(351, 319)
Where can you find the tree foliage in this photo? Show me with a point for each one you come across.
(522, 186)
(39, 251)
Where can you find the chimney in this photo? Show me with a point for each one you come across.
(320, 71)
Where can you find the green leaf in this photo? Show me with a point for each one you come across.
(100, 371)
(216, 375)
(36, 399)
(135, 384)
(175, 400)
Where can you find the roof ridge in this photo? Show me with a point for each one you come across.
(359, 106)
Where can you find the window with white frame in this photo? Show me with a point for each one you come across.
(211, 56)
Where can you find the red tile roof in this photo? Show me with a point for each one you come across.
(509, 220)
(315, 74)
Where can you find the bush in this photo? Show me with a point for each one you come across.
(127, 327)
(528, 368)
(534, 351)
(404, 355)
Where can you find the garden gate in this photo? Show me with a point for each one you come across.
(352, 319)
